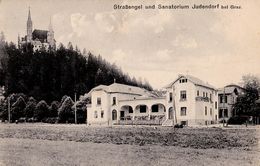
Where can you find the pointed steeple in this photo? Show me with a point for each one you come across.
(29, 16)
(50, 26)
(29, 27)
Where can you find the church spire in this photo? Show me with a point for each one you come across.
(29, 27)
(29, 16)
(50, 26)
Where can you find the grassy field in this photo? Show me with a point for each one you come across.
(39, 144)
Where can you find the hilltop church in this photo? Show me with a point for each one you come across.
(39, 39)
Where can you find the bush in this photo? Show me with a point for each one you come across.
(41, 111)
(65, 112)
(51, 120)
(54, 109)
(237, 120)
(17, 108)
(22, 120)
(30, 108)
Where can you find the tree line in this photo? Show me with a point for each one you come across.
(49, 75)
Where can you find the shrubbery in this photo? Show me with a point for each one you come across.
(237, 120)
(24, 109)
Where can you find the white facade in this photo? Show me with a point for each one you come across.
(188, 101)
(110, 104)
(195, 102)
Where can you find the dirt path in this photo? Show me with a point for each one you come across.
(43, 152)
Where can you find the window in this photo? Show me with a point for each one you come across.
(210, 97)
(220, 113)
(142, 108)
(114, 115)
(183, 95)
(114, 101)
(203, 94)
(130, 110)
(225, 113)
(216, 105)
(155, 108)
(102, 114)
(184, 123)
(98, 101)
(95, 114)
(183, 111)
(183, 80)
(206, 111)
(222, 99)
(170, 97)
(198, 93)
(206, 94)
(211, 111)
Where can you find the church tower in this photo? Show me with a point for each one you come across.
(50, 36)
(29, 27)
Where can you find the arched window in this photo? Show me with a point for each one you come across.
(114, 115)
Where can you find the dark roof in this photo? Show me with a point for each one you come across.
(40, 35)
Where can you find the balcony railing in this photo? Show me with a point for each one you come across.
(200, 98)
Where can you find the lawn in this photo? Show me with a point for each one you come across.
(40, 144)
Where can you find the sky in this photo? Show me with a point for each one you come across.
(217, 46)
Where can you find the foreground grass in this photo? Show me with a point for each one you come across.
(30, 152)
(42, 144)
(201, 138)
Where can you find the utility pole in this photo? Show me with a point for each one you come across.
(223, 109)
(9, 110)
(75, 108)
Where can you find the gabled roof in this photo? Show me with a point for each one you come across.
(122, 88)
(192, 79)
(230, 89)
(39, 34)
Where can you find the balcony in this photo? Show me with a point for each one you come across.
(205, 99)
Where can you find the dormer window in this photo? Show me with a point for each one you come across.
(184, 80)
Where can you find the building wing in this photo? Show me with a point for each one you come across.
(40, 35)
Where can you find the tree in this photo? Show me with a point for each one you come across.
(18, 108)
(41, 111)
(2, 38)
(3, 110)
(251, 82)
(49, 75)
(70, 46)
(81, 111)
(246, 103)
(65, 112)
(30, 108)
(54, 109)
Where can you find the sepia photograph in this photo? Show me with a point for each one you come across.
(129, 82)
